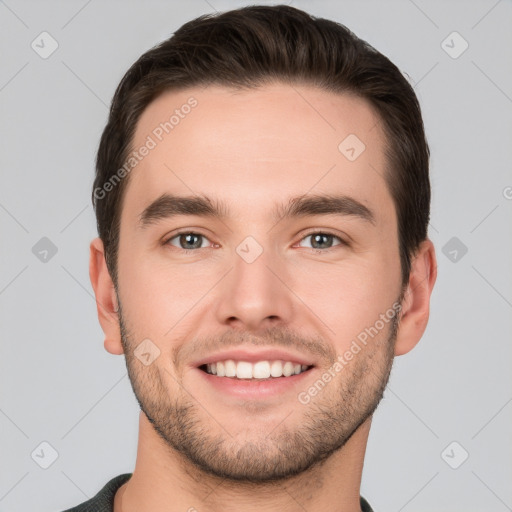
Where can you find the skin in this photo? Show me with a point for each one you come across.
(253, 150)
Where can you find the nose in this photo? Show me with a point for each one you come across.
(255, 295)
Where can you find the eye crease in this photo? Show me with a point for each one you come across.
(189, 241)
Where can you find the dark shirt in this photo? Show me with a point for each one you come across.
(104, 500)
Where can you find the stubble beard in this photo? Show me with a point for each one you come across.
(327, 422)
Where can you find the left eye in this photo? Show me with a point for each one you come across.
(189, 241)
(322, 240)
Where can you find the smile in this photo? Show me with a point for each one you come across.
(257, 370)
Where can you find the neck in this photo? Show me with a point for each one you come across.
(163, 480)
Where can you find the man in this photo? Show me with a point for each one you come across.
(262, 198)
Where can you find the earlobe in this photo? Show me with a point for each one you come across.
(106, 300)
(416, 302)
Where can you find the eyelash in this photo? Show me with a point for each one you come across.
(188, 251)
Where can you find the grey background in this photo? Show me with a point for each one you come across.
(59, 385)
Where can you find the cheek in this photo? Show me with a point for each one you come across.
(351, 297)
(142, 293)
(157, 295)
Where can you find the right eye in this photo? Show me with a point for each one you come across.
(188, 241)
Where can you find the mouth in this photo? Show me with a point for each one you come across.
(258, 370)
(264, 374)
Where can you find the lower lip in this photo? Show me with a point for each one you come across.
(254, 389)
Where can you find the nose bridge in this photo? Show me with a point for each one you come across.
(253, 296)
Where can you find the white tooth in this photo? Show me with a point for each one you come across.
(276, 369)
(288, 369)
(261, 370)
(244, 370)
(230, 368)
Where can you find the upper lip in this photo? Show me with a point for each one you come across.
(253, 356)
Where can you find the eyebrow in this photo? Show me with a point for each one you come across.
(168, 205)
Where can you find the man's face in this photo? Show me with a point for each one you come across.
(255, 285)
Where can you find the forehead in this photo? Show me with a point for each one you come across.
(256, 147)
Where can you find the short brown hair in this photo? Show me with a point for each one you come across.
(257, 45)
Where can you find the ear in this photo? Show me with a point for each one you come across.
(106, 300)
(416, 302)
